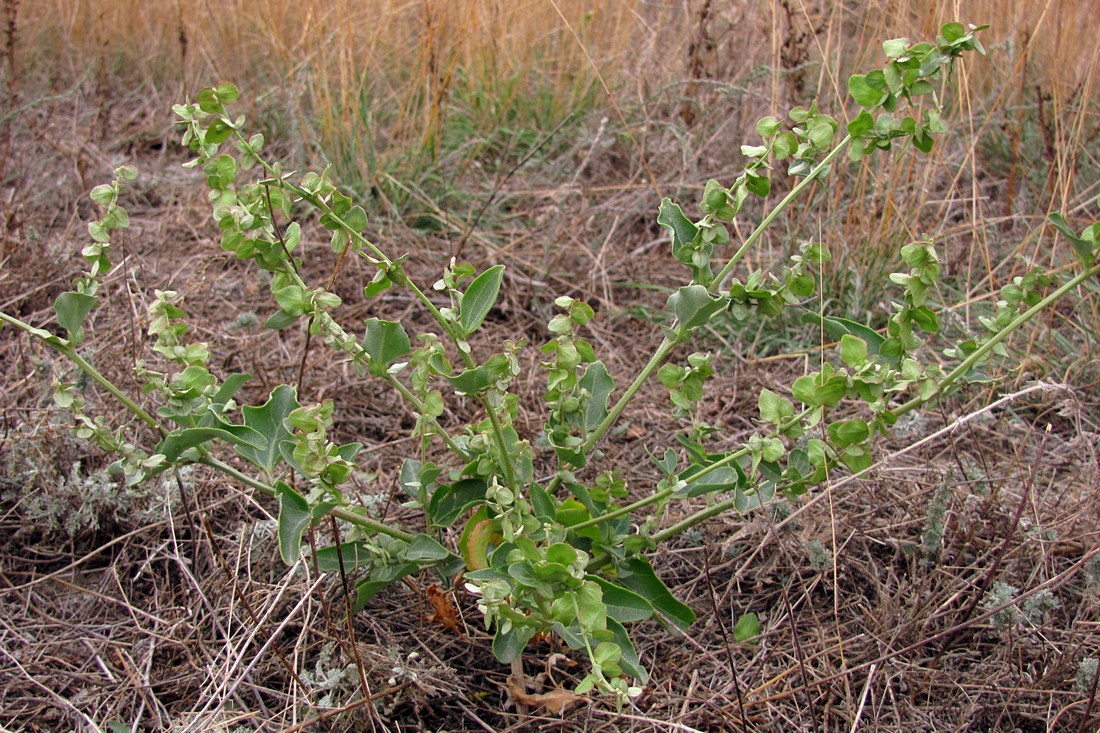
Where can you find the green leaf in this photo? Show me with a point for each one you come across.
(178, 441)
(774, 410)
(356, 219)
(294, 517)
(952, 32)
(1084, 249)
(267, 421)
(830, 391)
(424, 549)
(508, 646)
(599, 385)
(479, 298)
(767, 127)
(724, 478)
(226, 93)
(622, 604)
(280, 320)
(803, 389)
(853, 350)
(693, 306)
(385, 342)
(643, 581)
(471, 382)
(629, 660)
(353, 554)
(229, 387)
(838, 327)
(371, 586)
(758, 185)
(848, 432)
(72, 308)
(449, 501)
(679, 227)
(895, 48)
(747, 628)
(863, 93)
(542, 504)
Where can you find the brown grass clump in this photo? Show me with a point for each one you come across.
(956, 589)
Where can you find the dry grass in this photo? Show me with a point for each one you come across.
(167, 609)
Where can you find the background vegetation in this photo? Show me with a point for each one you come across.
(542, 134)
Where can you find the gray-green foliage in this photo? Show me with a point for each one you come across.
(564, 554)
(1085, 679)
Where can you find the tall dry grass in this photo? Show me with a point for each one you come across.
(396, 64)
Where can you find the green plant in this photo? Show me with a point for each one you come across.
(566, 556)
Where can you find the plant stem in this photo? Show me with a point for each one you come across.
(69, 352)
(628, 509)
(63, 347)
(340, 512)
(666, 493)
(502, 446)
(960, 370)
(659, 356)
(419, 407)
(980, 353)
(818, 169)
(691, 520)
(320, 205)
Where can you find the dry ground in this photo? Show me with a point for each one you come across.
(165, 607)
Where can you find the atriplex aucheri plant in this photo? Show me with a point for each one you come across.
(560, 553)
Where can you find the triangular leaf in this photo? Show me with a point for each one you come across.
(385, 342)
(723, 478)
(622, 604)
(370, 587)
(353, 554)
(267, 420)
(838, 327)
(599, 385)
(1082, 247)
(280, 320)
(693, 306)
(449, 501)
(747, 628)
(72, 308)
(425, 549)
(680, 229)
(643, 581)
(178, 441)
(294, 517)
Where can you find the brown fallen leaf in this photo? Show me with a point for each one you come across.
(443, 610)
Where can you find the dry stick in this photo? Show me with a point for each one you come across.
(1055, 581)
(725, 636)
(801, 657)
(457, 251)
(290, 261)
(247, 606)
(863, 698)
(349, 616)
